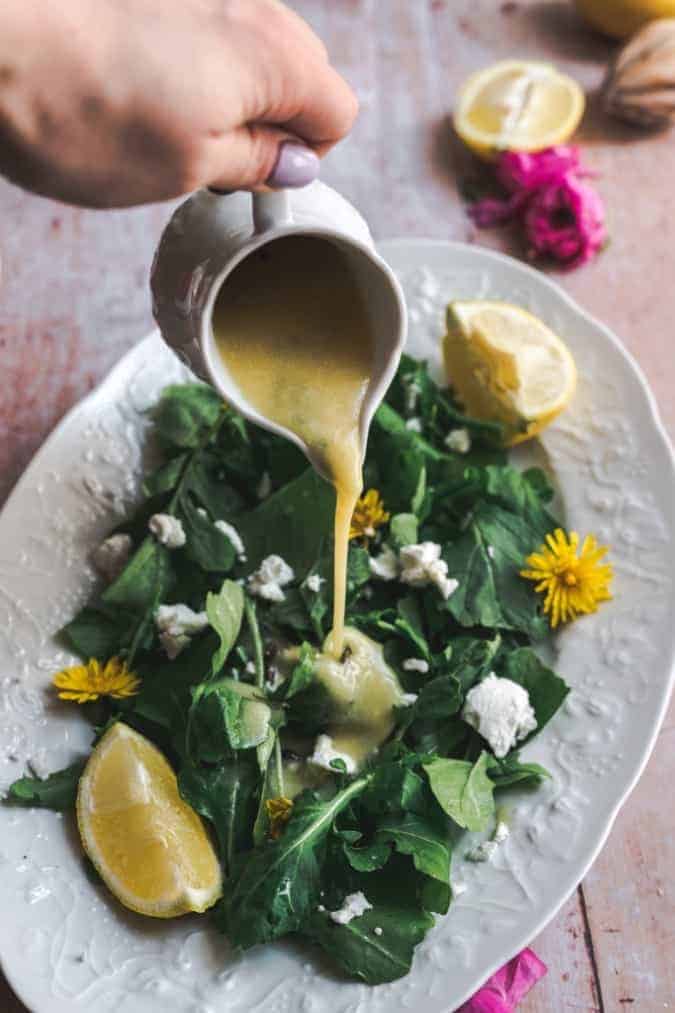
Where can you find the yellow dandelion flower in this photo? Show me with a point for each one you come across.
(574, 583)
(369, 514)
(84, 683)
(278, 813)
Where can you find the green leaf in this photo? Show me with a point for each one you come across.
(425, 839)
(206, 544)
(486, 561)
(99, 633)
(277, 884)
(509, 771)
(367, 857)
(547, 691)
(302, 675)
(395, 787)
(58, 791)
(225, 611)
(186, 413)
(225, 795)
(271, 766)
(440, 698)
(166, 477)
(301, 513)
(403, 530)
(360, 951)
(144, 580)
(226, 715)
(463, 791)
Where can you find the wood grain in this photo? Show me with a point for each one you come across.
(73, 298)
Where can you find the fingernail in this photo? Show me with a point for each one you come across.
(296, 166)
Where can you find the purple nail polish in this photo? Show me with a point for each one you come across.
(296, 166)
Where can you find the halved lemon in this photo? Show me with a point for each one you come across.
(507, 366)
(517, 105)
(149, 847)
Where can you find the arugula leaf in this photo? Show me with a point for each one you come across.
(403, 530)
(99, 632)
(375, 957)
(395, 787)
(144, 580)
(226, 715)
(58, 791)
(225, 795)
(367, 857)
(206, 544)
(165, 478)
(440, 698)
(297, 520)
(506, 772)
(486, 560)
(186, 413)
(302, 675)
(225, 612)
(463, 790)
(277, 884)
(547, 691)
(425, 839)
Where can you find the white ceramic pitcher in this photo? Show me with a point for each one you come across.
(211, 233)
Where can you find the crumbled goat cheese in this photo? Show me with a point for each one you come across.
(314, 582)
(412, 393)
(377, 930)
(321, 907)
(353, 906)
(324, 754)
(484, 851)
(416, 665)
(458, 889)
(491, 551)
(112, 555)
(274, 678)
(250, 667)
(233, 536)
(168, 530)
(264, 486)
(459, 440)
(500, 711)
(268, 580)
(414, 425)
(422, 564)
(408, 699)
(385, 566)
(176, 624)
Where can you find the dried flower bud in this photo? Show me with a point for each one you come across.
(640, 83)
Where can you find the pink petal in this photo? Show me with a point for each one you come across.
(492, 211)
(523, 170)
(505, 989)
(565, 220)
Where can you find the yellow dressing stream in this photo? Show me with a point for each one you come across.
(293, 330)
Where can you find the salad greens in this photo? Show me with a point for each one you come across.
(237, 711)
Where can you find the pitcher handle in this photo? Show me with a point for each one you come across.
(271, 210)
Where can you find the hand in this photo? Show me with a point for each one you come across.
(122, 102)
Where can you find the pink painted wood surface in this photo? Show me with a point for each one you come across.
(73, 298)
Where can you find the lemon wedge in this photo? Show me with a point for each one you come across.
(149, 847)
(517, 105)
(507, 366)
(621, 18)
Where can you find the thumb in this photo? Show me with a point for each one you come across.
(256, 155)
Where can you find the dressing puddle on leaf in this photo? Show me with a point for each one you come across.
(294, 331)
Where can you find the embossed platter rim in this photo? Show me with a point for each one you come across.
(65, 947)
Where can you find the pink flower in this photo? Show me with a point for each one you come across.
(565, 221)
(563, 217)
(508, 986)
(524, 170)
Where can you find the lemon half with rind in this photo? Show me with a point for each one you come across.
(517, 105)
(149, 847)
(507, 366)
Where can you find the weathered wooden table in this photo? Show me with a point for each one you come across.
(74, 297)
